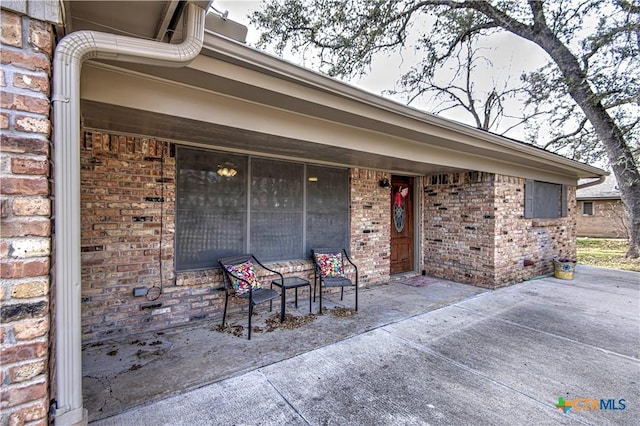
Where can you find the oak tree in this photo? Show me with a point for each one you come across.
(592, 80)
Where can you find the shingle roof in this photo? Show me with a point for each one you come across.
(606, 190)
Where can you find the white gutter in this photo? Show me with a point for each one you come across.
(70, 54)
(593, 182)
(272, 65)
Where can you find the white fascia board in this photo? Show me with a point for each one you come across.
(279, 73)
(116, 86)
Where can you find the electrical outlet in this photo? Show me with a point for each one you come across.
(139, 291)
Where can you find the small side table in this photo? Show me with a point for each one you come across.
(290, 282)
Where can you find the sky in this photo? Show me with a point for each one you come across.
(509, 55)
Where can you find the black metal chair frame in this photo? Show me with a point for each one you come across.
(341, 281)
(254, 296)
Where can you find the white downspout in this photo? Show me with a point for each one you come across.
(598, 181)
(70, 54)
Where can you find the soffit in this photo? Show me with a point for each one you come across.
(134, 18)
(118, 119)
(152, 20)
(327, 125)
(235, 70)
(350, 101)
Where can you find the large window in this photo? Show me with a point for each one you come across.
(327, 202)
(544, 200)
(211, 210)
(276, 209)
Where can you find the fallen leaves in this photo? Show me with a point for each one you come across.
(236, 330)
(290, 322)
(341, 312)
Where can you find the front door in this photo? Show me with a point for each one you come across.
(401, 224)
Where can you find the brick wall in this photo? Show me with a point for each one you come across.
(127, 199)
(475, 230)
(370, 225)
(127, 193)
(459, 227)
(525, 247)
(25, 215)
(607, 221)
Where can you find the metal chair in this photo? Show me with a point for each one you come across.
(240, 279)
(329, 270)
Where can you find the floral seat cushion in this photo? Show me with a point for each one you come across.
(245, 271)
(330, 264)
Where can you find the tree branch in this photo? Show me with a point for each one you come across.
(555, 140)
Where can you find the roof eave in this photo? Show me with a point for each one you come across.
(241, 54)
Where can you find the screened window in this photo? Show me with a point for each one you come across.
(276, 209)
(545, 200)
(211, 210)
(327, 202)
(587, 208)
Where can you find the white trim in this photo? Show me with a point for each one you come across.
(249, 58)
(70, 54)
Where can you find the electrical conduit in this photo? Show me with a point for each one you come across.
(70, 54)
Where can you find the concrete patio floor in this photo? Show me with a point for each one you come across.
(122, 373)
(437, 352)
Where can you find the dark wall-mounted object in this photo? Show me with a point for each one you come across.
(384, 183)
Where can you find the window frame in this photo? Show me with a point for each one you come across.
(530, 206)
(187, 264)
(584, 204)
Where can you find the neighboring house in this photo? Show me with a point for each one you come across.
(144, 161)
(600, 210)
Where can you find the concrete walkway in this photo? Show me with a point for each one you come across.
(497, 357)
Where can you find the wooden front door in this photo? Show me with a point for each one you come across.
(401, 224)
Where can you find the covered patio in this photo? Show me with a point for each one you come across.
(135, 370)
(152, 139)
(128, 101)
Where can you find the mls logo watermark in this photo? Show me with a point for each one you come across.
(590, 404)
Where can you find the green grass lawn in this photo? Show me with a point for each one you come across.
(606, 252)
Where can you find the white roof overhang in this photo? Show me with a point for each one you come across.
(237, 98)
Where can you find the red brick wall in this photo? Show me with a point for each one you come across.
(607, 221)
(370, 225)
(123, 221)
(535, 241)
(127, 198)
(475, 230)
(25, 215)
(459, 227)
(127, 190)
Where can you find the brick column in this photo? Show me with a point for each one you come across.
(25, 218)
(370, 225)
(459, 227)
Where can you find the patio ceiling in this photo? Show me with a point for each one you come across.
(101, 116)
(154, 20)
